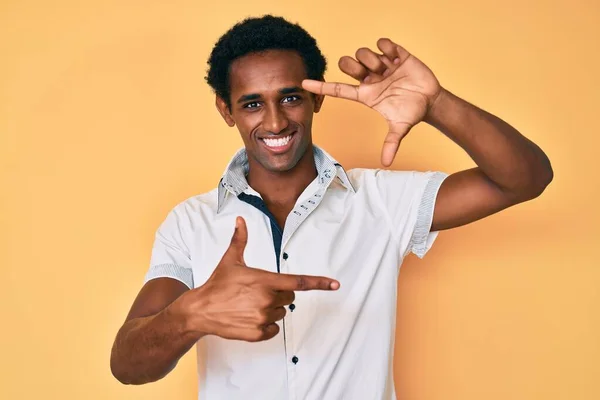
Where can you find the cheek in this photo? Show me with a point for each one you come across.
(302, 115)
(247, 124)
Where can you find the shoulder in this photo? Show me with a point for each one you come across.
(199, 203)
(361, 177)
(191, 212)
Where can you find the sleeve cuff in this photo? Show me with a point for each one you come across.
(183, 275)
(422, 239)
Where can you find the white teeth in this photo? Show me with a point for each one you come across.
(279, 142)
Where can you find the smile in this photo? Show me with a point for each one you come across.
(278, 143)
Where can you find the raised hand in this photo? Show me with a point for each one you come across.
(393, 82)
(241, 302)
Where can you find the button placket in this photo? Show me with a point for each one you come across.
(290, 352)
(285, 256)
(301, 212)
(295, 218)
(289, 334)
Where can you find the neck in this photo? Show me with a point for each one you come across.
(282, 187)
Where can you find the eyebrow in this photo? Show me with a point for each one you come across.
(256, 96)
(290, 90)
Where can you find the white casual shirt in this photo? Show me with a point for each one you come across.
(355, 227)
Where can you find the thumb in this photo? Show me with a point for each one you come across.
(397, 132)
(238, 241)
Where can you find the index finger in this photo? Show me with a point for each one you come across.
(302, 282)
(334, 89)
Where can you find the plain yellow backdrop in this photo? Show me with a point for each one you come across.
(106, 123)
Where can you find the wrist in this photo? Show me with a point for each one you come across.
(435, 113)
(184, 316)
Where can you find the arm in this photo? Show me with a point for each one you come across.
(237, 302)
(153, 337)
(510, 168)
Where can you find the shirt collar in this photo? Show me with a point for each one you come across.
(234, 178)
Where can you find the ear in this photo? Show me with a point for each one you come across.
(224, 111)
(318, 102)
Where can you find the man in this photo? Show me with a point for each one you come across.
(300, 302)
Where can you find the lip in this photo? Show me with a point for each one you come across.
(279, 149)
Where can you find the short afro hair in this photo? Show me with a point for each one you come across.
(254, 35)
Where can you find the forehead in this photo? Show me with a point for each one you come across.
(266, 71)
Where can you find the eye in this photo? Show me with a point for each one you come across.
(290, 99)
(254, 104)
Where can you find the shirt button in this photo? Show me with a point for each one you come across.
(295, 360)
(285, 256)
(292, 306)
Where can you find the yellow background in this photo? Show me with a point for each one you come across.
(106, 123)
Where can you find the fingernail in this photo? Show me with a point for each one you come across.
(334, 285)
(396, 60)
(237, 222)
(367, 79)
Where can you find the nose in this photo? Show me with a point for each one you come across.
(275, 120)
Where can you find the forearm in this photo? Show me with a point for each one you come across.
(510, 160)
(148, 348)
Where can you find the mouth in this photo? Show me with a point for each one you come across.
(279, 144)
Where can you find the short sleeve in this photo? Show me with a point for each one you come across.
(409, 199)
(170, 253)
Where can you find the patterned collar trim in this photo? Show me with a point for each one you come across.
(234, 179)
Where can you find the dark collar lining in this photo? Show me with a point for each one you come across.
(276, 230)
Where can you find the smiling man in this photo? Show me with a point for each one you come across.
(299, 302)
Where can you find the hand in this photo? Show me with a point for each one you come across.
(244, 303)
(395, 83)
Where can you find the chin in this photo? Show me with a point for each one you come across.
(282, 162)
(279, 167)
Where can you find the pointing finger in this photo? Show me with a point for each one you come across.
(341, 90)
(302, 282)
